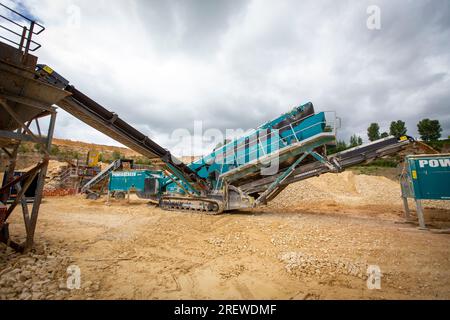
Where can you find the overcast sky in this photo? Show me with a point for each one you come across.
(161, 65)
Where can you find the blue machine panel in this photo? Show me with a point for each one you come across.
(131, 180)
(428, 177)
(293, 127)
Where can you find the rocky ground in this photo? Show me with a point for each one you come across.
(318, 240)
(37, 275)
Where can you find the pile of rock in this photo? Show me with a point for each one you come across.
(344, 188)
(33, 276)
(39, 275)
(300, 264)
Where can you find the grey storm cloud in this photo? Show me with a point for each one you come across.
(190, 26)
(161, 65)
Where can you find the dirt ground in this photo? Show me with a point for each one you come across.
(308, 244)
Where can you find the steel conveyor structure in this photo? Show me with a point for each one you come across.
(341, 161)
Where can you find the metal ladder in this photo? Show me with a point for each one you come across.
(101, 176)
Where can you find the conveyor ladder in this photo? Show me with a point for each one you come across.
(101, 176)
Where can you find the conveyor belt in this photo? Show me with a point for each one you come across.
(90, 112)
(343, 160)
(107, 122)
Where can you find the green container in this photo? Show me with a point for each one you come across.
(428, 177)
(140, 181)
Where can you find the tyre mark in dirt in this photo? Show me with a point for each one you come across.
(200, 225)
(243, 290)
(167, 254)
(177, 285)
(214, 225)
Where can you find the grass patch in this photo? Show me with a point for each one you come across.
(440, 144)
(384, 163)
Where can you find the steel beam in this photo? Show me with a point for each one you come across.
(40, 186)
(420, 215)
(40, 170)
(406, 206)
(27, 180)
(4, 193)
(28, 102)
(262, 198)
(19, 136)
(20, 123)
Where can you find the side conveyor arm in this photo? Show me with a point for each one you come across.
(93, 114)
(342, 160)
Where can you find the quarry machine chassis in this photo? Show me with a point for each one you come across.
(28, 92)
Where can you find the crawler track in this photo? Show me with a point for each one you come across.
(206, 205)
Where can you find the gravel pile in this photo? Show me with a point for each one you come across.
(38, 275)
(55, 168)
(299, 264)
(345, 188)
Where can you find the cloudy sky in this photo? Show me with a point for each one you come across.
(161, 65)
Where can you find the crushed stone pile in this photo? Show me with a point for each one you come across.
(55, 169)
(347, 189)
(38, 275)
(299, 264)
(33, 276)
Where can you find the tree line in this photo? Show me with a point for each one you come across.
(429, 131)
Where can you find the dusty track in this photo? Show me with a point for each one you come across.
(311, 250)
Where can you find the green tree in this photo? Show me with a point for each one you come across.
(397, 128)
(116, 155)
(23, 148)
(341, 146)
(373, 132)
(355, 141)
(143, 161)
(54, 151)
(384, 135)
(429, 130)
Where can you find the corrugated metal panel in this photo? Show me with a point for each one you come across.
(430, 176)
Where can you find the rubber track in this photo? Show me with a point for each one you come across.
(175, 207)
